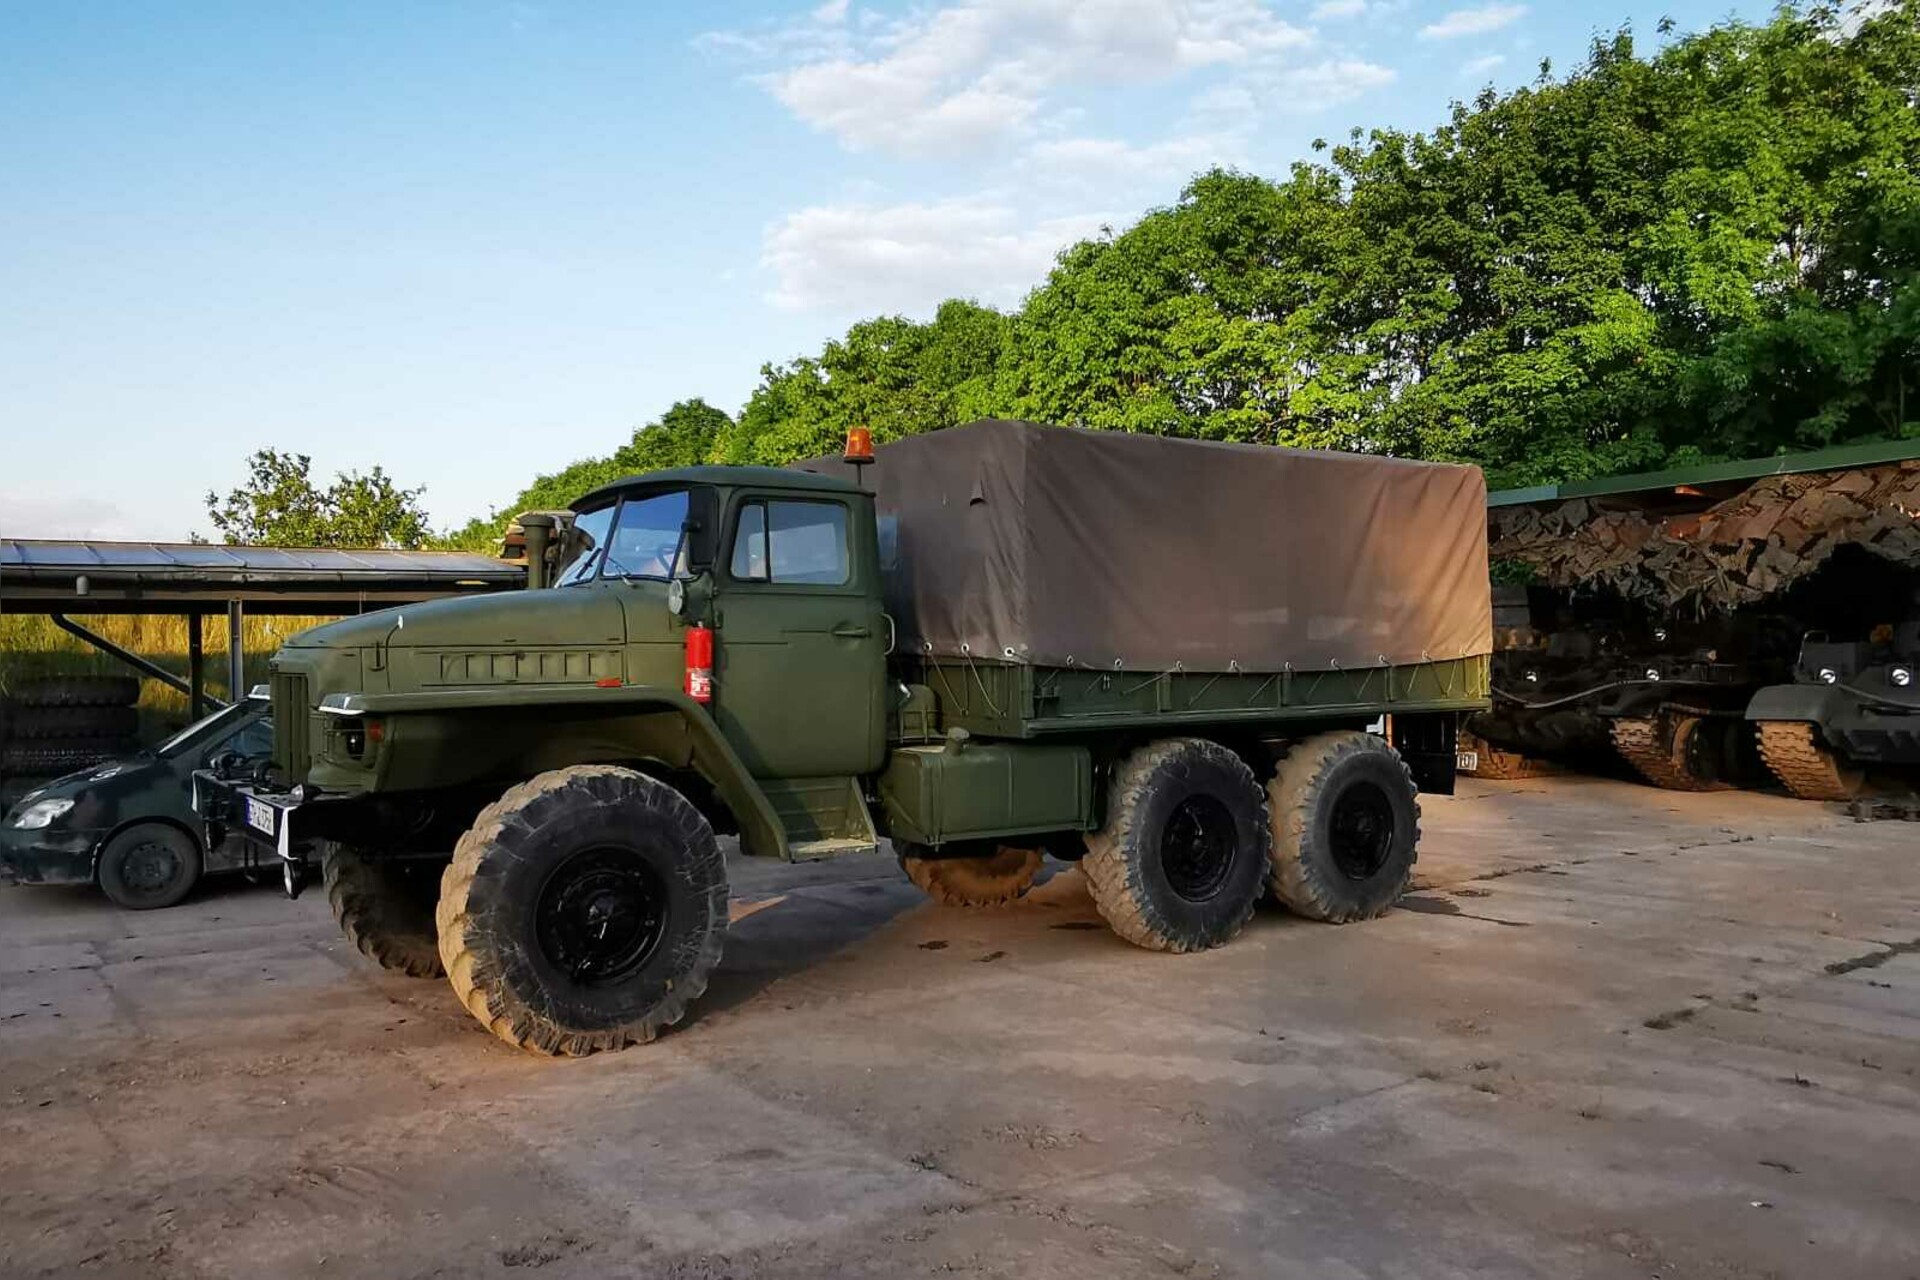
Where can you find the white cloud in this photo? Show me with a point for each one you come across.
(37, 515)
(831, 11)
(1473, 22)
(1482, 65)
(907, 257)
(1329, 10)
(1324, 84)
(1110, 161)
(977, 71)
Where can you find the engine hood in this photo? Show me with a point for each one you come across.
(556, 616)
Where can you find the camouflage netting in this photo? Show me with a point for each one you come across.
(1742, 550)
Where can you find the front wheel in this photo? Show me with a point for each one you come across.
(149, 865)
(583, 910)
(386, 909)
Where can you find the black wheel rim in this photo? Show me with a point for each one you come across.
(149, 869)
(1197, 846)
(1361, 830)
(601, 915)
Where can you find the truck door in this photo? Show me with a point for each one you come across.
(800, 659)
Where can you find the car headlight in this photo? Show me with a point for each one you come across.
(1902, 676)
(41, 813)
(1829, 676)
(1653, 673)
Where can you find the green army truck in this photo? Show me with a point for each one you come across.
(1159, 659)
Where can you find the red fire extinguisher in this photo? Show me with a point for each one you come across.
(700, 663)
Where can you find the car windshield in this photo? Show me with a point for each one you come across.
(221, 721)
(645, 540)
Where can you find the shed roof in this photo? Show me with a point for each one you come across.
(45, 576)
(1732, 474)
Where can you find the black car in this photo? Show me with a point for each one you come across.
(128, 825)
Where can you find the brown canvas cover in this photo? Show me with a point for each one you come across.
(1012, 541)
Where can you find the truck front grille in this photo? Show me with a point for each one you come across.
(291, 729)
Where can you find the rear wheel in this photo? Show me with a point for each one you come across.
(583, 910)
(385, 908)
(1180, 863)
(1346, 826)
(149, 865)
(991, 880)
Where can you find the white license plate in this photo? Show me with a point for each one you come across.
(1467, 762)
(260, 815)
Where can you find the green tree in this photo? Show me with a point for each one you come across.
(683, 436)
(280, 506)
(895, 376)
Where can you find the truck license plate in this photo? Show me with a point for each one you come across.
(1468, 762)
(260, 815)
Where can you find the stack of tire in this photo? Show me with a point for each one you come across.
(53, 726)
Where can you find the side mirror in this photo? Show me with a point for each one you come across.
(701, 528)
(677, 597)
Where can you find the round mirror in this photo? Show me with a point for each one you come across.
(676, 597)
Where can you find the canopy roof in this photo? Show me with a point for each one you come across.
(47, 576)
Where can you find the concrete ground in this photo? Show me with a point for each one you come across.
(1613, 1032)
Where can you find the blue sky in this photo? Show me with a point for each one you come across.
(471, 241)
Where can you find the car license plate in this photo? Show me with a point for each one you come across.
(260, 815)
(1468, 762)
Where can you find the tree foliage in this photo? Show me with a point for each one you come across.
(683, 436)
(1711, 252)
(280, 506)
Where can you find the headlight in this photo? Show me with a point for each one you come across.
(1653, 673)
(1828, 675)
(1533, 677)
(1902, 676)
(40, 813)
(1660, 634)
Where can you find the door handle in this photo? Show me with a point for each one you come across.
(848, 631)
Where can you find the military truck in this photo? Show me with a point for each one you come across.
(1852, 706)
(1156, 658)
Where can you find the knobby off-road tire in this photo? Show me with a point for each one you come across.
(583, 910)
(386, 909)
(1346, 827)
(994, 880)
(78, 691)
(73, 722)
(1805, 767)
(1181, 862)
(149, 865)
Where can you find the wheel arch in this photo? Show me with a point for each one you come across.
(520, 732)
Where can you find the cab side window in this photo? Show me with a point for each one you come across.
(798, 542)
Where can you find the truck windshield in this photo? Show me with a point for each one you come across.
(590, 528)
(642, 538)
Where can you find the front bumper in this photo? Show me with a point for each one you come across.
(47, 855)
(261, 815)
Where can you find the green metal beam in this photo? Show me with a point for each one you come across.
(1839, 458)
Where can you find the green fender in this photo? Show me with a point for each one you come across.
(706, 749)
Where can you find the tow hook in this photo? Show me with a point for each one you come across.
(293, 875)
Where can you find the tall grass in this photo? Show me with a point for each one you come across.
(31, 646)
